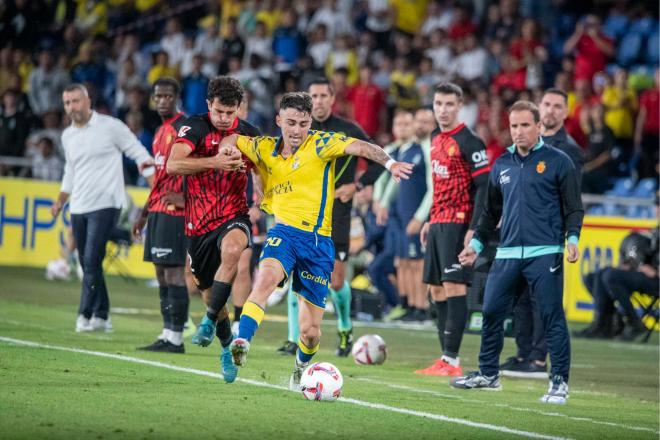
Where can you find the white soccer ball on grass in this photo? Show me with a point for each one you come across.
(321, 381)
(369, 350)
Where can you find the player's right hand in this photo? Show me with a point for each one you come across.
(401, 170)
(467, 257)
(424, 233)
(137, 228)
(229, 159)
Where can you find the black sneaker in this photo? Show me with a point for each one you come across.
(289, 348)
(410, 316)
(345, 343)
(156, 346)
(511, 362)
(525, 370)
(161, 346)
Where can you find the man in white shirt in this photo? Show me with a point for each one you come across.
(93, 177)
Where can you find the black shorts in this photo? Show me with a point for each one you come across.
(444, 243)
(204, 250)
(165, 243)
(341, 236)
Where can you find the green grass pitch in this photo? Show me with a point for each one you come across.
(108, 390)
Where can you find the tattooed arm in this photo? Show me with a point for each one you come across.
(399, 170)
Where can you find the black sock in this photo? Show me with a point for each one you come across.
(455, 326)
(404, 302)
(219, 295)
(165, 307)
(179, 301)
(223, 332)
(441, 321)
(238, 311)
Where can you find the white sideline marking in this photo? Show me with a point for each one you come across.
(505, 405)
(362, 403)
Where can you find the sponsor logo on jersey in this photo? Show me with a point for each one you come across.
(183, 130)
(315, 278)
(440, 170)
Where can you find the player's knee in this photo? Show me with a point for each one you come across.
(454, 289)
(336, 283)
(438, 293)
(231, 253)
(310, 334)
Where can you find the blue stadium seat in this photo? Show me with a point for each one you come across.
(629, 49)
(615, 25)
(651, 55)
(645, 189)
(622, 187)
(596, 210)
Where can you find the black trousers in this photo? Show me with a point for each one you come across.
(92, 231)
(529, 329)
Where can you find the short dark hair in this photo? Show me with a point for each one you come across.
(449, 88)
(521, 106)
(322, 81)
(76, 86)
(556, 91)
(300, 101)
(228, 90)
(167, 81)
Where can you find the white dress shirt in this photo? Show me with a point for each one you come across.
(93, 170)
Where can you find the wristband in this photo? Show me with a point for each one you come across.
(148, 171)
(389, 163)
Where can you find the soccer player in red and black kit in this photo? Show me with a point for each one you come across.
(460, 176)
(164, 245)
(216, 213)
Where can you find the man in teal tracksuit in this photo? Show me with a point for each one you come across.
(535, 191)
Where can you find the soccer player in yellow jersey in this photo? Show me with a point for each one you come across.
(298, 174)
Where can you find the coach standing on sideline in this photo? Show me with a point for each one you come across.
(535, 191)
(94, 178)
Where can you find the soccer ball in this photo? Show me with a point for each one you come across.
(321, 381)
(57, 270)
(369, 350)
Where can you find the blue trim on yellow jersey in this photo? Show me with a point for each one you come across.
(324, 196)
(278, 142)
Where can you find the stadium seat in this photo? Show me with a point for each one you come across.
(615, 25)
(596, 210)
(645, 189)
(622, 187)
(629, 49)
(651, 55)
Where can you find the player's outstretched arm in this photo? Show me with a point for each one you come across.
(180, 161)
(399, 170)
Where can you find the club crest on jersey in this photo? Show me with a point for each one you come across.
(183, 130)
(540, 167)
(451, 150)
(296, 163)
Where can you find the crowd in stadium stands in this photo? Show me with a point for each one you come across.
(380, 55)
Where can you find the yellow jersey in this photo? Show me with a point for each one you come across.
(298, 190)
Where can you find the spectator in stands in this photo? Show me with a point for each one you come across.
(259, 43)
(620, 102)
(136, 102)
(173, 42)
(87, 70)
(598, 166)
(592, 48)
(127, 78)
(368, 101)
(161, 67)
(47, 165)
(6, 67)
(92, 17)
(379, 22)
(343, 56)
(470, 64)
(402, 87)
(232, 46)
(438, 16)
(462, 25)
(52, 129)
(288, 42)
(135, 122)
(441, 53)
(427, 79)
(529, 54)
(319, 46)
(194, 88)
(15, 127)
(209, 45)
(647, 129)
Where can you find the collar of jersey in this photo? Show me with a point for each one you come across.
(278, 144)
(458, 128)
(173, 118)
(540, 143)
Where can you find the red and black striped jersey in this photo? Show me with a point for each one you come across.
(212, 197)
(457, 158)
(163, 182)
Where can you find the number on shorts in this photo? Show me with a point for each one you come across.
(273, 241)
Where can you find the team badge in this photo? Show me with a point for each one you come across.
(540, 167)
(183, 130)
(452, 150)
(296, 163)
(169, 139)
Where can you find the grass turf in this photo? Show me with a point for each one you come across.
(59, 394)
